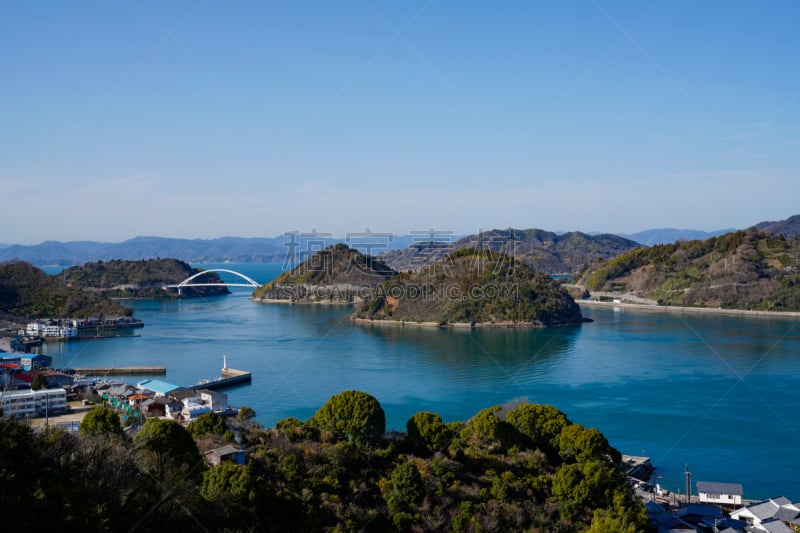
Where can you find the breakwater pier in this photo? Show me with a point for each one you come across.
(123, 371)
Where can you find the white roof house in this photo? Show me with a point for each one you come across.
(772, 525)
(764, 511)
(193, 409)
(720, 493)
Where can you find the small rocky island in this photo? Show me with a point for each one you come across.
(472, 288)
(337, 274)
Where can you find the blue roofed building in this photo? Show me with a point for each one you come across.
(161, 388)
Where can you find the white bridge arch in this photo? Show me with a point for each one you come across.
(249, 282)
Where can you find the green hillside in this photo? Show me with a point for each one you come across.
(475, 287)
(523, 467)
(336, 274)
(740, 270)
(140, 279)
(27, 292)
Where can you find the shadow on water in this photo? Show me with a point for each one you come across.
(480, 348)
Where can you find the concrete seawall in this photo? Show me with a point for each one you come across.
(124, 371)
(691, 310)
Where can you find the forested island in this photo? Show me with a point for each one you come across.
(92, 289)
(748, 269)
(521, 467)
(337, 274)
(140, 279)
(466, 287)
(27, 292)
(473, 287)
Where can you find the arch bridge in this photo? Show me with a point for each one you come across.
(247, 282)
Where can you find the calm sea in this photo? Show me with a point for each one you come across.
(716, 393)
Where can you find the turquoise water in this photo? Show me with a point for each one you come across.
(718, 393)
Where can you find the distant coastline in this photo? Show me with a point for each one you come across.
(692, 310)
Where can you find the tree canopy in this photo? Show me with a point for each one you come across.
(102, 422)
(352, 415)
(167, 447)
(322, 475)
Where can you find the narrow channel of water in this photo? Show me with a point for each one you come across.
(718, 393)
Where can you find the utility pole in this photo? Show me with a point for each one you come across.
(688, 484)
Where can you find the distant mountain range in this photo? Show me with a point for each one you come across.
(544, 250)
(295, 248)
(789, 228)
(652, 237)
(290, 248)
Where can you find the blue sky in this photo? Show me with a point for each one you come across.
(203, 119)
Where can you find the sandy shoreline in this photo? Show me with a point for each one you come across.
(691, 310)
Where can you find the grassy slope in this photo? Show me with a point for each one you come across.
(740, 270)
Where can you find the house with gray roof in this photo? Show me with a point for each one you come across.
(781, 509)
(770, 526)
(663, 521)
(720, 493)
(225, 453)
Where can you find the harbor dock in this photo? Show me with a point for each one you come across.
(228, 378)
(123, 371)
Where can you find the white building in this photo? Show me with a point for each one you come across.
(720, 493)
(67, 332)
(52, 331)
(192, 409)
(765, 511)
(33, 403)
(217, 401)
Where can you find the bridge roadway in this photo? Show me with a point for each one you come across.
(249, 282)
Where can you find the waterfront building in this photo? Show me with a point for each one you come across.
(720, 493)
(192, 408)
(33, 403)
(35, 329)
(160, 388)
(67, 329)
(217, 401)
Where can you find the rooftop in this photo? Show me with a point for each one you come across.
(156, 385)
(720, 488)
(225, 450)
